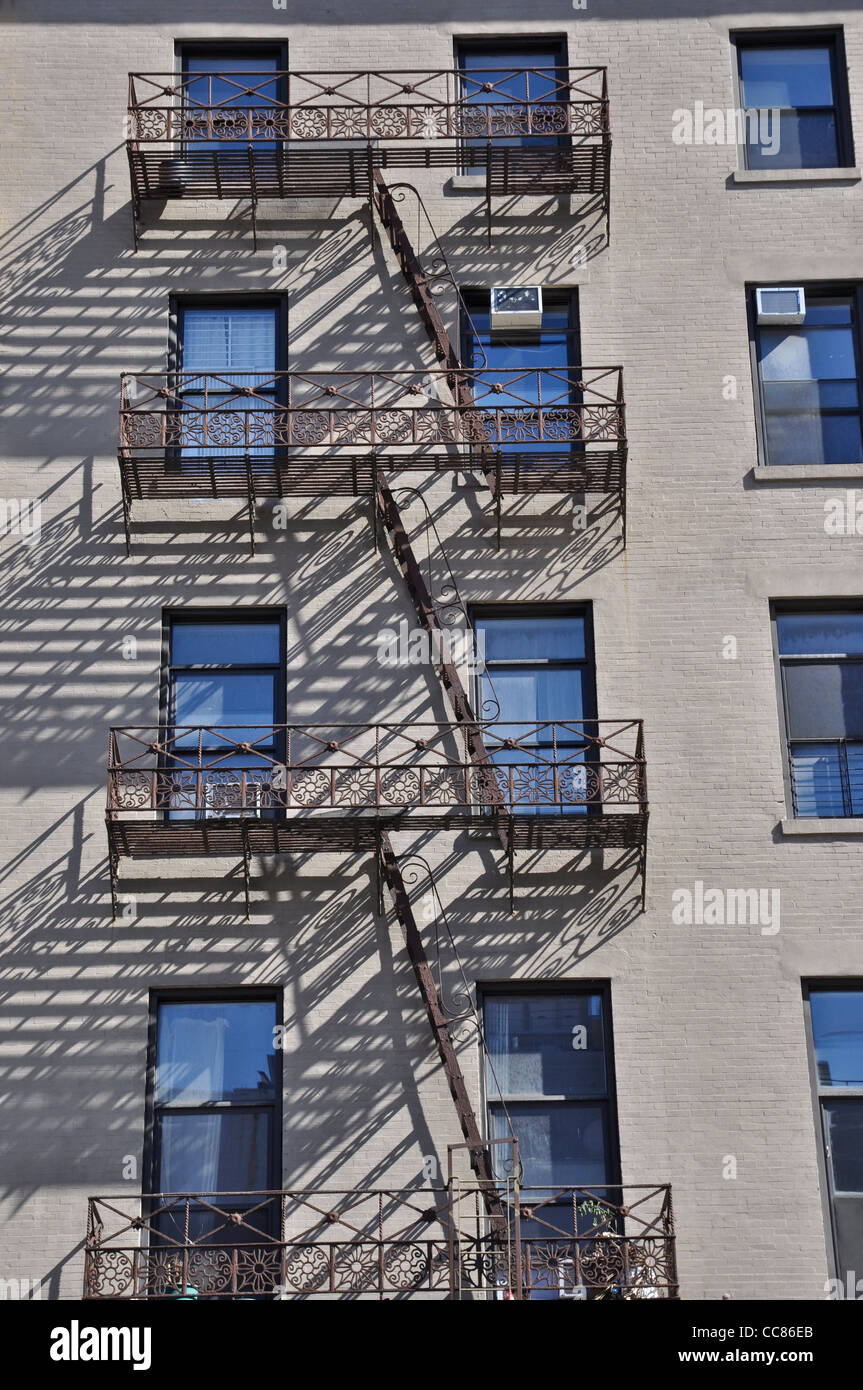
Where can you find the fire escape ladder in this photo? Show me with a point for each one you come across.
(445, 667)
(479, 1152)
(418, 282)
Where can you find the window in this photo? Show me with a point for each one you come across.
(232, 80)
(809, 382)
(821, 672)
(538, 685)
(836, 1041)
(220, 347)
(549, 1071)
(214, 1105)
(531, 367)
(225, 684)
(517, 73)
(802, 76)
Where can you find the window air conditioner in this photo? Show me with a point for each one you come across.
(780, 304)
(517, 309)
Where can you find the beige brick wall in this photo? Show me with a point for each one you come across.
(709, 1043)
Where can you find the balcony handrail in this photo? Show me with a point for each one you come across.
(245, 769)
(566, 406)
(614, 1239)
(336, 381)
(409, 103)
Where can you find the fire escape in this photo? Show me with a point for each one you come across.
(348, 788)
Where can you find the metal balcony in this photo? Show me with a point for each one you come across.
(316, 434)
(608, 1242)
(194, 792)
(200, 791)
(322, 134)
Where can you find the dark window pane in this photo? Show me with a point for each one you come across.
(820, 634)
(533, 638)
(845, 1138)
(546, 1045)
(564, 1145)
(824, 700)
(793, 141)
(216, 1152)
(215, 1051)
(827, 310)
(786, 76)
(837, 1034)
(813, 438)
(228, 643)
(842, 439)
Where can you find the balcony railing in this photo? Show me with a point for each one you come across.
(292, 134)
(305, 107)
(288, 770)
(212, 434)
(607, 1242)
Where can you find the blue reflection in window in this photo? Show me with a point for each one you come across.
(837, 1031)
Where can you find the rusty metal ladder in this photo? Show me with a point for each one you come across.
(387, 510)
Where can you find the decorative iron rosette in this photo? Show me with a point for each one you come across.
(309, 123)
(550, 118)
(621, 782)
(109, 1273)
(600, 422)
(268, 124)
(310, 426)
(400, 786)
(307, 1268)
(311, 788)
(149, 123)
(389, 122)
(355, 787)
(131, 791)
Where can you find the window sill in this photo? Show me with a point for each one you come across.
(808, 473)
(823, 825)
(850, 175)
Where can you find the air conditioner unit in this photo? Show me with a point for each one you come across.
(223, 801)
(516, 309)
(780, 304)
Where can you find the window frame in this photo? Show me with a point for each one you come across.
(845, 289)
(486, 989)
(541, 610)
(500, 43)
(254, 299)
(566, 294)
(782, 608)
(219, 615)
(184, 48)
(151, 1155)
(831, 36)
(810, 985)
